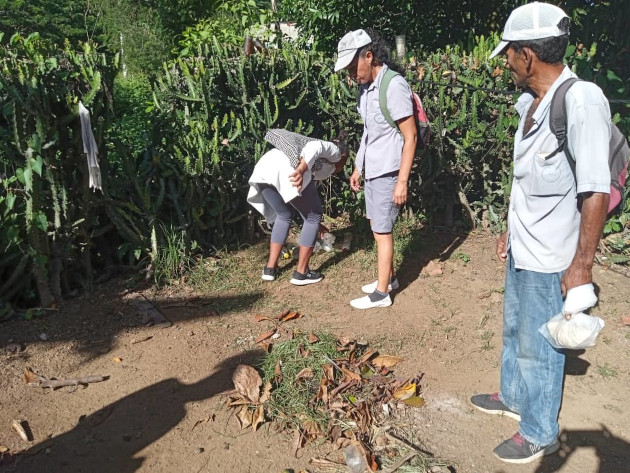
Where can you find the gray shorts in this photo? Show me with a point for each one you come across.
(379, 202)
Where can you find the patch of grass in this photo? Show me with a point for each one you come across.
(365, 258)
(450, 330)
(628, 335)
(606, 371)
(463, 257)
(419, 463)
(484, 319)
(380, 343)
(486, 338)
(292, 402)
(421, 342)
(224, 271)
(170, 255)
(606, 340)
(403, 239)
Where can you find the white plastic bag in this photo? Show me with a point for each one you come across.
(579, 299)
(578, 332)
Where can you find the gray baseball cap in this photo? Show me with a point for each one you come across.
(348, 47)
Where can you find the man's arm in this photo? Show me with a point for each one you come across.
(408, 129)
(594, 211)
(501, 248)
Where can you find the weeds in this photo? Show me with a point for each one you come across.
(486, 337)
(484, 319)
(450, 331)
(421, 462)
(171, 259)
(292, 402)
(463, 257)
(606, 371)
(223, 271)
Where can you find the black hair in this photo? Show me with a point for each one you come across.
(548, 50)
(341, 140)
(380, 51)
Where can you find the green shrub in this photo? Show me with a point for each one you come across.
(49, 215)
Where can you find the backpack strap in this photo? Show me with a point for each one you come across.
(558, 119)
(382, 97)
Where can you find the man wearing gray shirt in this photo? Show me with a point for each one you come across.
(555, 221)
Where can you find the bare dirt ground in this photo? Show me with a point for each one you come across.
(160, 411)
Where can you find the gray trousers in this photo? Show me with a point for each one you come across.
(308, 204)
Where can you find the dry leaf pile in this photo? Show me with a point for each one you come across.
(323, 387)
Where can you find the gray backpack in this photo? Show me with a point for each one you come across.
(617, 156)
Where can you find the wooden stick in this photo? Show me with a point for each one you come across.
(58, 383)
(340, 388)
(33, 379)
(333, 363)
(402, 462)
(408, 444)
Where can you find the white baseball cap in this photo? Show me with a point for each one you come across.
(348, 47)
(532, 21)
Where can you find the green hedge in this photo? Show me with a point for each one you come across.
(176, 155)
(48, 215)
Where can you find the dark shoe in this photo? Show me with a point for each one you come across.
(519, 450)
(311, 277)
(269, 274)
(491, 404)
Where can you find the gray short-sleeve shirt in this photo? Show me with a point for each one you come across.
(381, 146)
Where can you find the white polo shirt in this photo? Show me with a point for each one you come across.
(543, 219)
(381, 146)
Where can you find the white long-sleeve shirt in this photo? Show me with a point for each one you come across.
(273, 168)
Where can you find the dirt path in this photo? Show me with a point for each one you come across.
(159, 411)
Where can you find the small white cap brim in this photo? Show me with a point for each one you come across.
(499, 49)
(344, 59)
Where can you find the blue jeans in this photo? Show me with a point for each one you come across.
(531, 369)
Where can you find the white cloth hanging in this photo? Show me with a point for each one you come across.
(90, 148)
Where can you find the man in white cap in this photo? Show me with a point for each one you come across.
(555, 221)
(386, 153)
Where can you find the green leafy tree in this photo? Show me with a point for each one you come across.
(229, 24)
(135, 31)
(53, 20)
(425, 23)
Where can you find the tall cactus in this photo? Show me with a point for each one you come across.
(41, 86)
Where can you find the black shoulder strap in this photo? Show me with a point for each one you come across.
(558, 119)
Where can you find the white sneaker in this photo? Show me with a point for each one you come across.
(366, 303)
(370, 288)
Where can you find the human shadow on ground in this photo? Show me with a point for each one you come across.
(418, 248)
(94, 321)
(574, 365)
(613, 452)
(110, 439)
(360, 240)
(425, 245)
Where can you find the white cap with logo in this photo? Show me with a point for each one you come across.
(348, 47)
(532, 21)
